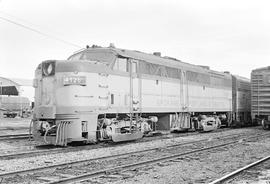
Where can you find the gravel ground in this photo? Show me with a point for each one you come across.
(15, 146)
(200, 167)
(11, 126)
(38, 161)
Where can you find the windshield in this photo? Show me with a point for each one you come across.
(94, 57)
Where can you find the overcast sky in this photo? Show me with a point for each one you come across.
(227, 35)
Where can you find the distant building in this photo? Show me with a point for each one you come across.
(26, 88)
(11, 91)
(9, 87)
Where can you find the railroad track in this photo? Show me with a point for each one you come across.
(239, 171)
(78, 148)
(14, 136)
(89, 147)
(132, 165)
(104, 172)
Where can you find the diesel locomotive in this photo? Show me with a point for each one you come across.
(107, 93)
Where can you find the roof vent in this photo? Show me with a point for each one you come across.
(205, 67)
(157, 54)
(168, 57)
(112, 45)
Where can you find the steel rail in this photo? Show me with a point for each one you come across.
(14, 136)
(32, 153)
(12, 128)
(238, 171)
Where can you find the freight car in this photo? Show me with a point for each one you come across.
(106, 93)
(14, 105)
(260, 101)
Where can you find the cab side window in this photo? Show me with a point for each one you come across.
(134, 67)
(121, 64)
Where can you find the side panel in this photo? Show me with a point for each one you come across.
(110, 93)
(119, 93)
(208, 99)
(156, 95)
(161, 95)
(73, 99)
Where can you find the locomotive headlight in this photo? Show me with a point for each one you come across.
(74, 80)
(48, 68)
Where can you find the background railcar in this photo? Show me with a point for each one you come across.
(14, 105)
(260, 96)
(99, 92)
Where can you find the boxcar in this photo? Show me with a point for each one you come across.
(260, 96)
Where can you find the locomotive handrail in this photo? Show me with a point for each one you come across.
(103, 86)
(102, 97)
